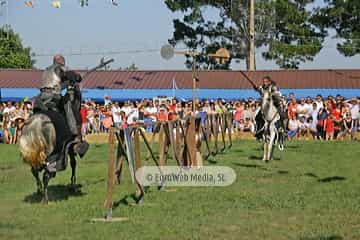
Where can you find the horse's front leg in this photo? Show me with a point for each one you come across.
(73, 169)
(46, 178)
(265, 150)
(266, 142)
(271, 142)
(35, 173)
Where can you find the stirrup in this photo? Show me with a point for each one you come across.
(81, 148)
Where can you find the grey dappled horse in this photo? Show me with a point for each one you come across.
(36, 143)
(271, 116)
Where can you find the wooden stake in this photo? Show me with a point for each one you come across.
(110, 183)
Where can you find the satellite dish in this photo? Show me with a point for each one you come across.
(167, 51)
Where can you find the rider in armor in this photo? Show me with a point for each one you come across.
(54, 79)
(269, 84)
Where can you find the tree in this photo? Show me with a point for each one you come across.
(12, 52)
(284, 27)
(132, 67)
(296, 37)
(343, 16)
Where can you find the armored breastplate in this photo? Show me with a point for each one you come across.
(51, 78)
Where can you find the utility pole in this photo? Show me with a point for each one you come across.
(251, 53)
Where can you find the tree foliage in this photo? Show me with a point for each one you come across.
(284, 27)
(344, 17)
(13, 53)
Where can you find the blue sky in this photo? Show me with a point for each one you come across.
(133, 25)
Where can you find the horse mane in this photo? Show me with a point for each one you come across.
(37, 140)
(267, 106)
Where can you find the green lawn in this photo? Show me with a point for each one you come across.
(311, 192)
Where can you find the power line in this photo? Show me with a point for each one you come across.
(141, 51)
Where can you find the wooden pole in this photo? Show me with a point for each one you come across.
(162, 143)
(110, 183)
(252, 36)
(191, 142)
(194, 84)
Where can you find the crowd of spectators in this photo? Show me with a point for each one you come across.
(323, 118)
(12, 119)
(318, 118)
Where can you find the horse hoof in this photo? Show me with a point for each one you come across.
(140, 200)
(161, 187)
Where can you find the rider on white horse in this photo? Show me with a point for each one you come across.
(55, 78)
(270, 85)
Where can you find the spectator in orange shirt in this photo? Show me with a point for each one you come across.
(329, 127)
(237, 114)
(292, 108)
(83, 113)
(162, 114)
(172, 110)
(337, 119)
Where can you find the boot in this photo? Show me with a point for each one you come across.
(81, 147)
(282, 120)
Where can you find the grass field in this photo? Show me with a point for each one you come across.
(311, 193)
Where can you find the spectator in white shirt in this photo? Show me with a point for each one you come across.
(150, 111)
(313, 113)
(126, 108)
(9, 108)
(116, 115)
(133, 115)
(311, 126)
(354, 110)
(302, 127)
(319, 102)
(293, 127)
(302, 109)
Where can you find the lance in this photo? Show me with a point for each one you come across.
(249, 80)
(101, 65)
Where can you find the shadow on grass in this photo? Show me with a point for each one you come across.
(292, 146)
(324, 180)
(253, 157)
(237, 151)
(331, 179)
(211, 161)
(4, 168)
(95, 181)
(251, 166)
(56, 193)
(283, 172)
(313, 175)
(127, 200)
(333, 237)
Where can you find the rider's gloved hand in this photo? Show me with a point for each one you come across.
(73, 76)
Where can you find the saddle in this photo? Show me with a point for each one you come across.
(57, 160)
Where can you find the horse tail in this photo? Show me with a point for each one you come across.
(37, 141)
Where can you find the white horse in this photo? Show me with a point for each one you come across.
(271, 116)
(37, 142)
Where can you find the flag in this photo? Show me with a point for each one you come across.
(174, 87)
